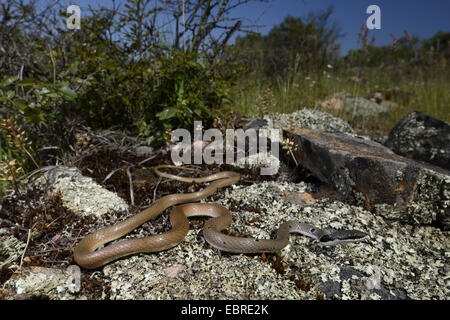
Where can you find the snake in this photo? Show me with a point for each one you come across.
(92, 253)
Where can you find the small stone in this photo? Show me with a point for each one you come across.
(173, 271)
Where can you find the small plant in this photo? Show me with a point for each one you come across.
(83, 142)
(291, 122)
(9, 172)
(265, 103)
(16, 139)
(15, 149)
(289, 146)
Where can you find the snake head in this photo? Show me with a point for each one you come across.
(342, 236)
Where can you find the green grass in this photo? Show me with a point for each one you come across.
(409, 90)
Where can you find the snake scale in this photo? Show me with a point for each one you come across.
(88, 253)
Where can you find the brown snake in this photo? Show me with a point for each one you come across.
(87, 254)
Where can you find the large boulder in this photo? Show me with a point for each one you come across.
(370, 174)
(421, 137)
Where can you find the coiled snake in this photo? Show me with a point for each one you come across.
(87, 254)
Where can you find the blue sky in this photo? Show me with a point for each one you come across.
(419, 17)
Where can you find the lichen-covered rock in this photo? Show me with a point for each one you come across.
(255, 124)
(258, 160)
(142, 151)
(368, 173)
(421, 137)
(395, 261)
(203, 272)
(61, 284)
(81, 194)
(310, 119)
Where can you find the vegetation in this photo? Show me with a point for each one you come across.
(411, 73)
(126, 68)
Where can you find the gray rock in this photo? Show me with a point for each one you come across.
(331, 289)
(61, 284)
(255, 124)
(360, 106)
(368, 173)
(359, 280)
(421, 137)
(80, 194)
(142, 151)
(310, 119)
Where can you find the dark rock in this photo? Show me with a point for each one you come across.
(347, 272)
(398, 294)
(367, 173)
(331, 289)
(421, 137)
(357, 282)
(256, 124)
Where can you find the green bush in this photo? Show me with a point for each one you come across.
(155, 95)
(185, 87)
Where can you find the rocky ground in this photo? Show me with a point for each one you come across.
(401, 257)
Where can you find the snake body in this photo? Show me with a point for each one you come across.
(88, 255)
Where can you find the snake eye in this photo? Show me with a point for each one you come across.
(312, 230)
